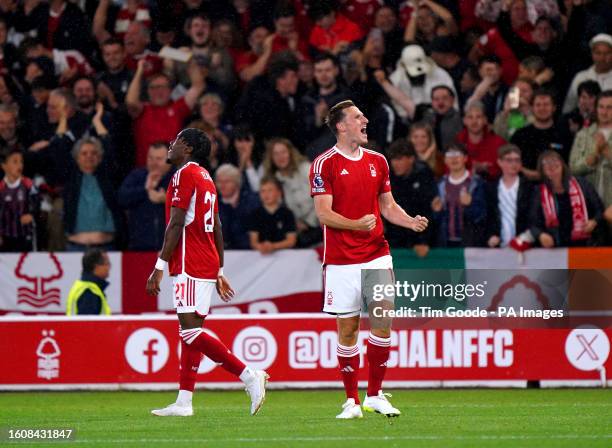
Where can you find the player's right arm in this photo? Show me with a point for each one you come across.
(328, 217)
(174, 229)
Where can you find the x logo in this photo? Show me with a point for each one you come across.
(587, 347)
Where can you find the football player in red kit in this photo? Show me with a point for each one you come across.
(351, 189)
(193, 253)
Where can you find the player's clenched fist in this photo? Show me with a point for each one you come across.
(366, 223)
(419, 223)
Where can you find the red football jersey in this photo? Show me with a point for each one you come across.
(355, 184)
(193, 190)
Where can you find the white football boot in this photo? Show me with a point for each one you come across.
(174, 410)
(256, 389)
(350, 410)
(380, 404)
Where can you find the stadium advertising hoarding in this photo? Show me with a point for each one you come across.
(297, 350)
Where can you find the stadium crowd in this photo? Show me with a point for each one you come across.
(495, 116)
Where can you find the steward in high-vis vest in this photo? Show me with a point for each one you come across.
(87, 294)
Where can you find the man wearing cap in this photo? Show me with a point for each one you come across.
(600, 71)
(416, 75)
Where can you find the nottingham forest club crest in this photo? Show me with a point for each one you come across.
(372, 170)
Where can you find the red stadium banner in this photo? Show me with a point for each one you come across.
(298, 350)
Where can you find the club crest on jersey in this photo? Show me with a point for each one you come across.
(372, 170)
(318, 184)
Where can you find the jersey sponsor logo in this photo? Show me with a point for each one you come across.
(343, 172)
(372, 170)
(175, 195)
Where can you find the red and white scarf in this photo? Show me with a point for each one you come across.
(580, 214)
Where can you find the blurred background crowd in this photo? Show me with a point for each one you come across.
(495, 116)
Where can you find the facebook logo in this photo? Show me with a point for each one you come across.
(146, 350)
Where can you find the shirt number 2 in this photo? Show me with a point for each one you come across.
(209, 216)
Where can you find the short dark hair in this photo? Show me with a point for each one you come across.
(400, 148)
(160, 144)
(5, 155)
(283, 9)
(113, 41)
(281, 63)
(324, 56)
(456, 146)
(442, 86)
(84, 77)
(336, 114)
(271, 180)
(493, 59)
(91, 258)
(535, 63)
(544, 92)
(320, 9)
(199, 143)
(506, 149)
(590, 87)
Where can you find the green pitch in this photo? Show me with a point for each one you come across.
(431, 418)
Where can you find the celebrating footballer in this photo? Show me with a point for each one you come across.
(351, 190)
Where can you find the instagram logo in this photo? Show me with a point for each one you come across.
(256, 346)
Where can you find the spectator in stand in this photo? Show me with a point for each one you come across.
(10, 139)
(566, 209)
(492, 41)
(332, 32)
(274, 94)
(591, 155)
(236, 203)
(60, 24)
(585, 114)
(92, 217)
(9, 56)
(508, 199)
(431, 19)
(68, 64)
(114, 81)
(246, 156)
(113, 20)
(491, 91)
(211, 109)
(414, 189)
(386, 20)
(416, 76)
(160, 108)
(516, 113)
(271, 226)
(84, 92)
(317, 101)
(542, 135)
(600, 71)
(446, 54)
(444, 118)
(286, 36)
(218, 61)
(534, 69)
(422, 138)
(253, 63)
(136, 41)
(283, 162)
(143, 195)
(18, 206)
(480, 142)
(460, 208)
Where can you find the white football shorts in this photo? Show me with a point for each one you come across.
(342, 283)
(190, 295)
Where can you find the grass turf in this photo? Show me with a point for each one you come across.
(431, 418)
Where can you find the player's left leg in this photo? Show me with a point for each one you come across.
(379, 340)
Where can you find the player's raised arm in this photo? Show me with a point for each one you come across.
(396, 214)
(171, 239)
(328, 217)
